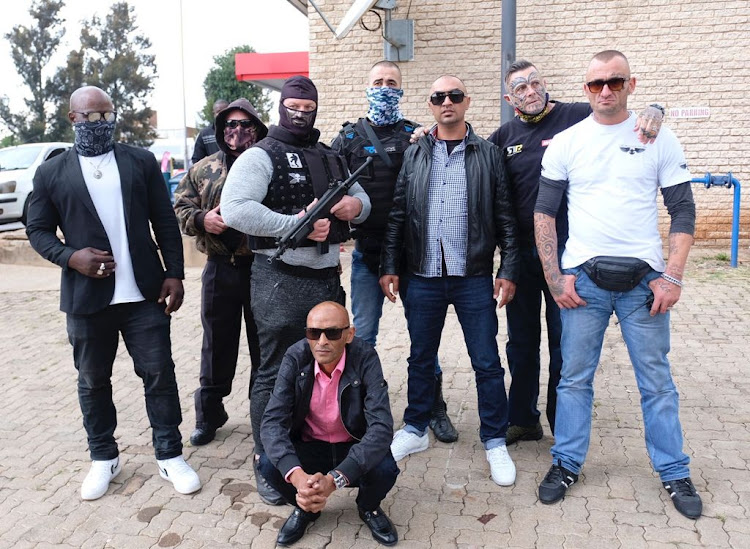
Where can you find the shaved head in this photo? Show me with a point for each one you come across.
(84, 98)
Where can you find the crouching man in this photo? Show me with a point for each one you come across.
(328, 425)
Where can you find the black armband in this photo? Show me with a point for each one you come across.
(550, 196)
(678, 200)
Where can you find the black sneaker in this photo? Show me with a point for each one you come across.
(557, 480)
(686, 500)
(267, 493)
(519, 432)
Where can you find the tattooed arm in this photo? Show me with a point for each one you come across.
(679, 202)
(562, 287)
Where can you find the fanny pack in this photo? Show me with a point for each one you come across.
(616, 274)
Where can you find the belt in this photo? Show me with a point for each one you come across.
(236, 260)
(304, 272)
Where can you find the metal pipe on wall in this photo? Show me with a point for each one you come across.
(507, 53)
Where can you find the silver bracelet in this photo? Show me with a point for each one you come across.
(671, 279)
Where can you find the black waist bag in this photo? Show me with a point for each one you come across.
(616, 274)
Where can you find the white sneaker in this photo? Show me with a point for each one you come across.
(405, 443)
(97, 480)
(177, 471)
(501, 466)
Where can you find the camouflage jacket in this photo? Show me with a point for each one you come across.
(197, 194)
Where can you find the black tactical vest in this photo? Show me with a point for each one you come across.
(293, 186)
(379, 181)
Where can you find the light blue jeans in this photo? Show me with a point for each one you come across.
(367, 299)
(647, 340)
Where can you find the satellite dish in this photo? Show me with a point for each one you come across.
(355, 13)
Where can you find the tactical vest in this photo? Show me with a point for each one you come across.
(292, 186)
(379, 181)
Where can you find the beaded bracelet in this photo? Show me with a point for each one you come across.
(671, 279)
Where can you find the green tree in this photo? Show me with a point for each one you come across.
(31, 49)
(67, 79)
(221, 83)
(114, 57)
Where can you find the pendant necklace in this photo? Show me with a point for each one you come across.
(97, 171)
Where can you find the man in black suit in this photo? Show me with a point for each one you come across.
(106, 198)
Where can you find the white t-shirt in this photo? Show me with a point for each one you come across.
(613, 181)
(106, 193)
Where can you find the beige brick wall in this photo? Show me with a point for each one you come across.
(684, 54)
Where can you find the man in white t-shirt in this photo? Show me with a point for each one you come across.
(613, 262)
(106, 198)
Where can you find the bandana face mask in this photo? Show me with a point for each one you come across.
(94, 138)
(384, 105)
(239, 139)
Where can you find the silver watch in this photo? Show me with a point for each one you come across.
(338, 479)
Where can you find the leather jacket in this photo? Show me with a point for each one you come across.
(491, 221)
(363, 404)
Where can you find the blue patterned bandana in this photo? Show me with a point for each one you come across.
(94, 138)
(384, 108)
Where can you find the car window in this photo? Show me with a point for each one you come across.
(18, 158)
(54, 152)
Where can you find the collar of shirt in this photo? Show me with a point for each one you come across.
(339, 368)
(434, 129)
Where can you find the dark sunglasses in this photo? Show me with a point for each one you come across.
(108, 116)
(244, 124)
(614, 84)
(332, 334)
(438, 98)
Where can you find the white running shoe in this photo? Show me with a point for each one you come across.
(177, 471)
(501, 466)
(97, 480)
(405, 443)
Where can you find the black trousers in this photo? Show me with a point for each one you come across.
(225, 299)
(145, 330)
(281, 301)
(321, 457)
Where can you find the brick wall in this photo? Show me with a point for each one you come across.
(691, 53)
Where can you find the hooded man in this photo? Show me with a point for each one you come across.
(226, 289)
(266, 193)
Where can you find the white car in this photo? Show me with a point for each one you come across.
(17, 168)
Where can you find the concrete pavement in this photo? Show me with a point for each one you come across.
(443, 497)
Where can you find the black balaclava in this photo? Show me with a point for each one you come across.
(298, 123)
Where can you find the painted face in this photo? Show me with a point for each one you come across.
(527, 91)
(609, 106)
(449, 113)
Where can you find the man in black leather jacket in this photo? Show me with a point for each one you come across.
(451, 209)
(311, 450)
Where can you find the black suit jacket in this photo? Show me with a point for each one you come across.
(61, 199)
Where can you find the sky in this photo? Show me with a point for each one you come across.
(209, 28)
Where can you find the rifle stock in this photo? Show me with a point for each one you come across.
(304, 226)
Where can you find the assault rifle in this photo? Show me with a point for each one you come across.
(297, 234)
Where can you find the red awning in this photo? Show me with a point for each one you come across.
(270, 70)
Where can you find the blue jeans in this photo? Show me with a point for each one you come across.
(524, 338)
(145, 331)
(647, 340)
(426, 305)
(367, 301)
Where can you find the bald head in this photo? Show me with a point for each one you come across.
(448, 82)
(88, 99)
(333, 318)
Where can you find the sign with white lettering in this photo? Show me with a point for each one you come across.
(689, 112)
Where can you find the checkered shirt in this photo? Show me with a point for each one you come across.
(447, 212)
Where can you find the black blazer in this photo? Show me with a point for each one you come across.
(61, 199)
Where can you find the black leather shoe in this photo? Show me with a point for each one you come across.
(295, 526)
(267, 493)
(518, 432)
(441, 425)
(383, 530)
(206, 432)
